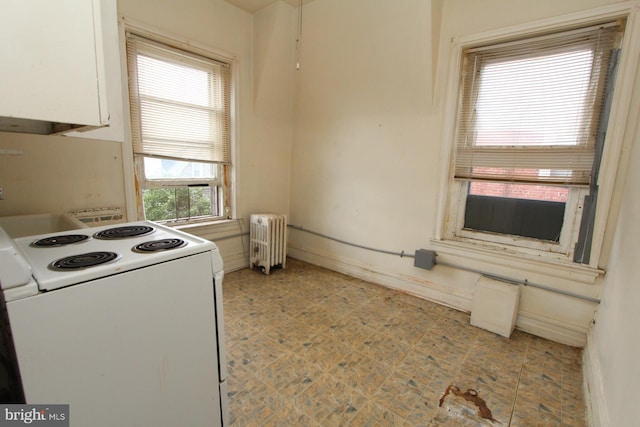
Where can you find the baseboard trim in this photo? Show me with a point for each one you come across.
(552, 329)
(231, 239)
(597, 415)
(412, 285)
(235, 261)
(539, 325)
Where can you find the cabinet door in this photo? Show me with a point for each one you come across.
(52, 64)
(114, 78)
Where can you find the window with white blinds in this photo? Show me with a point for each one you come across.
(180, 103)
(181, 131)
(530, 109)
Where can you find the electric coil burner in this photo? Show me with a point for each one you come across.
(66, 239)
(90, 259)
(59, 260)
(159, 245)
(133, 230)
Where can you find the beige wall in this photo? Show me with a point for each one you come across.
(367, 148)
(365, 167)
(349, 146)
(62, 173)
(263, 120)
(59, 174)
(266, 155)
(616, 340)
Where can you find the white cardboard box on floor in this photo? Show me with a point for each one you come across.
(495, 306)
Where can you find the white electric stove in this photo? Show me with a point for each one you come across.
(124, 323)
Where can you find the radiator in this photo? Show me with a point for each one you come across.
(268, 241)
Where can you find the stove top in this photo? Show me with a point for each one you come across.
(62, 259)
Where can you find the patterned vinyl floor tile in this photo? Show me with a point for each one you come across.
(310, 347)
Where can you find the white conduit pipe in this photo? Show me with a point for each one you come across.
(524, 282)
(489, 275)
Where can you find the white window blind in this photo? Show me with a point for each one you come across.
(180, 103)
(530, 108)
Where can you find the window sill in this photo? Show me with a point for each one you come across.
(221, 225)
(499, 260)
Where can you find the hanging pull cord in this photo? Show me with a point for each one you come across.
(299, 36)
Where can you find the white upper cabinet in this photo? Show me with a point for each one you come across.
(52, 64)
(114, 79)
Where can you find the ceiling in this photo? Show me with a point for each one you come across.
(253, 6)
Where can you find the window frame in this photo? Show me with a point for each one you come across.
(135, 179)
(216, 184)
(174, 182)
(563, 248)
(469, 91)
(452, 193)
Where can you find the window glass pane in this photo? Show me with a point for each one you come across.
(163, 204)
(155, 168)
(534, 101)
(159, 204)
(202, 201)
(551, 193)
